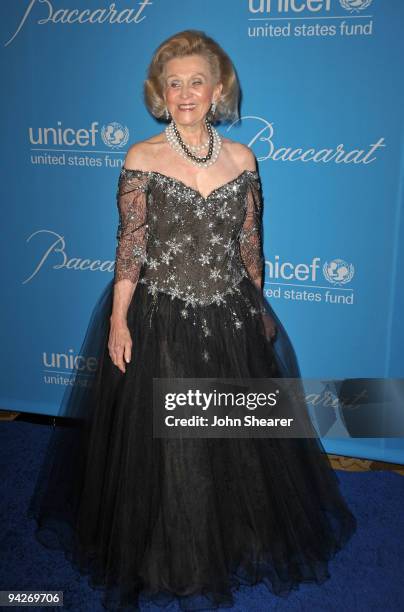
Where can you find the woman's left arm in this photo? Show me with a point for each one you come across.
(251, 247)
(250, 238)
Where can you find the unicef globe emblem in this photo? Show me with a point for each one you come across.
(338, 271)
(115, 135)
(355, 5)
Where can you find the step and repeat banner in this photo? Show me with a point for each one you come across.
(322, 109)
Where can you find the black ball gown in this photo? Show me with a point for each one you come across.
(151, 519)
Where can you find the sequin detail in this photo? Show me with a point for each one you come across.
(192, 247)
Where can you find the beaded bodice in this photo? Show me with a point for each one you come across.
(173, 239)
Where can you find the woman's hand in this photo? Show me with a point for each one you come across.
(269, 326)
(120, 343)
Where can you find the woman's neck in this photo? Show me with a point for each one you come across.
(193, 135)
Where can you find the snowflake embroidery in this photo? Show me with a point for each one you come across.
(215, 273)
(229, 246)
(153, 263)
(166, 257)
(216, 238)
(191, 299)
(174, 292)
(174, 246)
(205, 259)
(218, 298)
(223, 211)
(153, 287)
(213, 250)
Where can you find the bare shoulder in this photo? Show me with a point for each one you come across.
(241, 154)
(140, 154)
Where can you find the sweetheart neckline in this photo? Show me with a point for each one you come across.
(176, 180)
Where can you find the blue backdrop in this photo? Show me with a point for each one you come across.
(322, 109)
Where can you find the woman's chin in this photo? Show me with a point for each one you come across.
(187, 118)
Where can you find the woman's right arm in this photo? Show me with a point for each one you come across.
(130, 255)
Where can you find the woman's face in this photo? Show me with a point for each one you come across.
(189, 89)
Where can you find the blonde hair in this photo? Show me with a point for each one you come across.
(182, 44)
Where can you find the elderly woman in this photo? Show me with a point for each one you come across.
(187, 516)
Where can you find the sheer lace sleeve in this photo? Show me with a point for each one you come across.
(250, 238)
(132, 228)
(251, 249)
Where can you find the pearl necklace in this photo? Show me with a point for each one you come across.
(197, 148)
(175, 141)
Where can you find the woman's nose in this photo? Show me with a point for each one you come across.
(184, 91)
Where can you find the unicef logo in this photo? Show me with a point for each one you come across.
(338, 272)
(355, 5)
(115, 135)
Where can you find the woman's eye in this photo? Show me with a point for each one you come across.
(176, 84)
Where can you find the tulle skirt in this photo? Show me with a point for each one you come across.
(153, 519)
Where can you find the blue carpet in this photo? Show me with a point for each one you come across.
(366, 576)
